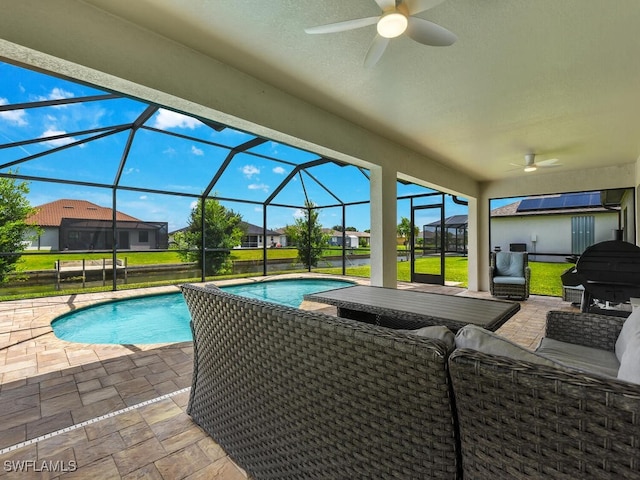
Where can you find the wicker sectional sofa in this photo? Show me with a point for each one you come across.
(294, 394)
(565, 411)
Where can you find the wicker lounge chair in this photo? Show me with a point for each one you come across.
(509, 275)
(294, 394)
(523, 419)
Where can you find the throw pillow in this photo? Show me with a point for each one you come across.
(630, 330)
(439, 332)
(481, 340)
(630, 363)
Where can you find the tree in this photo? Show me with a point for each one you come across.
(307, 235)
(14, 210)
(404, 231)
(222, 231)
(338, 228)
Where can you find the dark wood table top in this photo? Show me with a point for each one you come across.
(425, 308)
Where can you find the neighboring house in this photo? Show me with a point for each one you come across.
(353, 239)
(552, 227)
(80, 225)
(255, 236)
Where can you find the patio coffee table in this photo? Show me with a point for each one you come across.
(406, 309)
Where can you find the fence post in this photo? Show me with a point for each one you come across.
(58, 274)
(83, 273)
(104, 273)
(125, 270)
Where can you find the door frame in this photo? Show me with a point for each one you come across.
(428, 277)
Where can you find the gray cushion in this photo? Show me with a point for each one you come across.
(579, 357)
(630, 330)
(509, 264)
(477, 338)
(630, 364)
(509, 280)
(439, 332)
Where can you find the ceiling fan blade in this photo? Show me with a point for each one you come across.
(428, 33)
(548, 165)
(417, 6)
(375, 51)
(386, 4)
(343, 26)
(548, 162)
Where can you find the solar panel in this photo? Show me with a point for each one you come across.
(565, 200)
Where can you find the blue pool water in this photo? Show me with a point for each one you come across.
(165, 318)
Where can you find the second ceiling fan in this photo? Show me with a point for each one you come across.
(395, 21)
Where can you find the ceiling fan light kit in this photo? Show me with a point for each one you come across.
(392, 25)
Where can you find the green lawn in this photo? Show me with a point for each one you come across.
(545, 277)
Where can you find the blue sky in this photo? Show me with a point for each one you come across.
(165, 162)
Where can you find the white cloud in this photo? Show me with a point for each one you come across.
(194, 204)
(279, 170)
(299, 213)
(143, 197)
(196, 151)
(169, 151)
(16, 117)
(250, 170)
(259, 186)
(257, 209)
(57, 94)
(130, 170)
(168, 119)
(58, 142)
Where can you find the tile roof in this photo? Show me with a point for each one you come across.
(51, 214)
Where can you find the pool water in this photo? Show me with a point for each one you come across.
(165, 318)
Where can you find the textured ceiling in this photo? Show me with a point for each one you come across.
(557, 78)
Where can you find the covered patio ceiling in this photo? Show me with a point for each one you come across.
(556, 79)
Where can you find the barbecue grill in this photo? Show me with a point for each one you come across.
(609, 272)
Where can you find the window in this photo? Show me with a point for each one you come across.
(582, 233)
(143, 237)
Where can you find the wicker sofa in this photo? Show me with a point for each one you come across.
(294, 394)
(524, 416)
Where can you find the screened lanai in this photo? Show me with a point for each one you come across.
(72, 142)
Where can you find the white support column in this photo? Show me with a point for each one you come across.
(478, 231)
(384, 261)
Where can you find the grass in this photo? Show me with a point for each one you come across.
(545, 277)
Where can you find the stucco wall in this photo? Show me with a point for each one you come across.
(552, 233)
(48, 239)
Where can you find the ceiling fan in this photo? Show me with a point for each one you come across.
(530, 164)
(396, 19)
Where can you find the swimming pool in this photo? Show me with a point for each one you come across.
(165, 318)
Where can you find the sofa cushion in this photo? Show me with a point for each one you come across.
(630, 330)
(579, 357)
(439, 332)
(630, 363)
(509, 264)
(509, 280)
(477, 338)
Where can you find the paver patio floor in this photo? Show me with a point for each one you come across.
(118, 411)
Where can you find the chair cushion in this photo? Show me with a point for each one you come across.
(439, 332)
(630, 330)
(579, 357)
(630, 363)
(481, 340)
(509, 280)
(509, 264)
